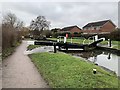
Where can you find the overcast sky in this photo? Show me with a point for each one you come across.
(62, 14)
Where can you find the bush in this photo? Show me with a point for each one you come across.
(115, 35)
(10, 33)
(55, 35)
(106, 36)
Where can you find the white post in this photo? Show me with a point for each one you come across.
(93, 38)
(71, 39)
(109, 43)
(58, 40)
(30, 42)
(96, 37)
(64, 39)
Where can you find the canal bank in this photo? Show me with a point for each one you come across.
(62, 70)
(107, 58)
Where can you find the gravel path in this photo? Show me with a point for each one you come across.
(20, 72)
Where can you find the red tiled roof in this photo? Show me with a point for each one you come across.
(68, 28)
(99, 23)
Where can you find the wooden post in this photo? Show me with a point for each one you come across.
(110, 43)
(66, 48)
(109, 56)
(54, 47)
(59, 47)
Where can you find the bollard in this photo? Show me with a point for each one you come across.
(94, 71)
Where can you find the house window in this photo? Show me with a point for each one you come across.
(97, 28)
(92, 28)
(88, 28)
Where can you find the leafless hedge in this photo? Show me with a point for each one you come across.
(11, 27)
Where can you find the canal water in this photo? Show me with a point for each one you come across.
(108, 61)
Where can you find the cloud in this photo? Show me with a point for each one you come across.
(60, 1)
(62, 14)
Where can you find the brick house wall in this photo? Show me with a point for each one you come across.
(108, 27)
(71, 29)
(91, 31)
(75, 29)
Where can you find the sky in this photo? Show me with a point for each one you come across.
(63, 14)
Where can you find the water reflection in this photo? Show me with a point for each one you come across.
(101, 58)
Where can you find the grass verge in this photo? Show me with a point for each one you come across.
(64, 71)
(117, 45)
(30, 47)
(8, 51)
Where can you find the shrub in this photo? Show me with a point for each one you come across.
(115, 35)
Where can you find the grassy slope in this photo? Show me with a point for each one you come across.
(62, 70)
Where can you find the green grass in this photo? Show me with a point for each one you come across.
(117, 45)
(80, 41)
(8, 51)
(64, 71)
(30, 47)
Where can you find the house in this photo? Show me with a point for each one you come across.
(100, 27)
(71, 29)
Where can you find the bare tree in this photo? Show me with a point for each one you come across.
(10, 30)
(47, 33)
(10, 19)
(19, 24)
(0, 38)
(39, 24)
